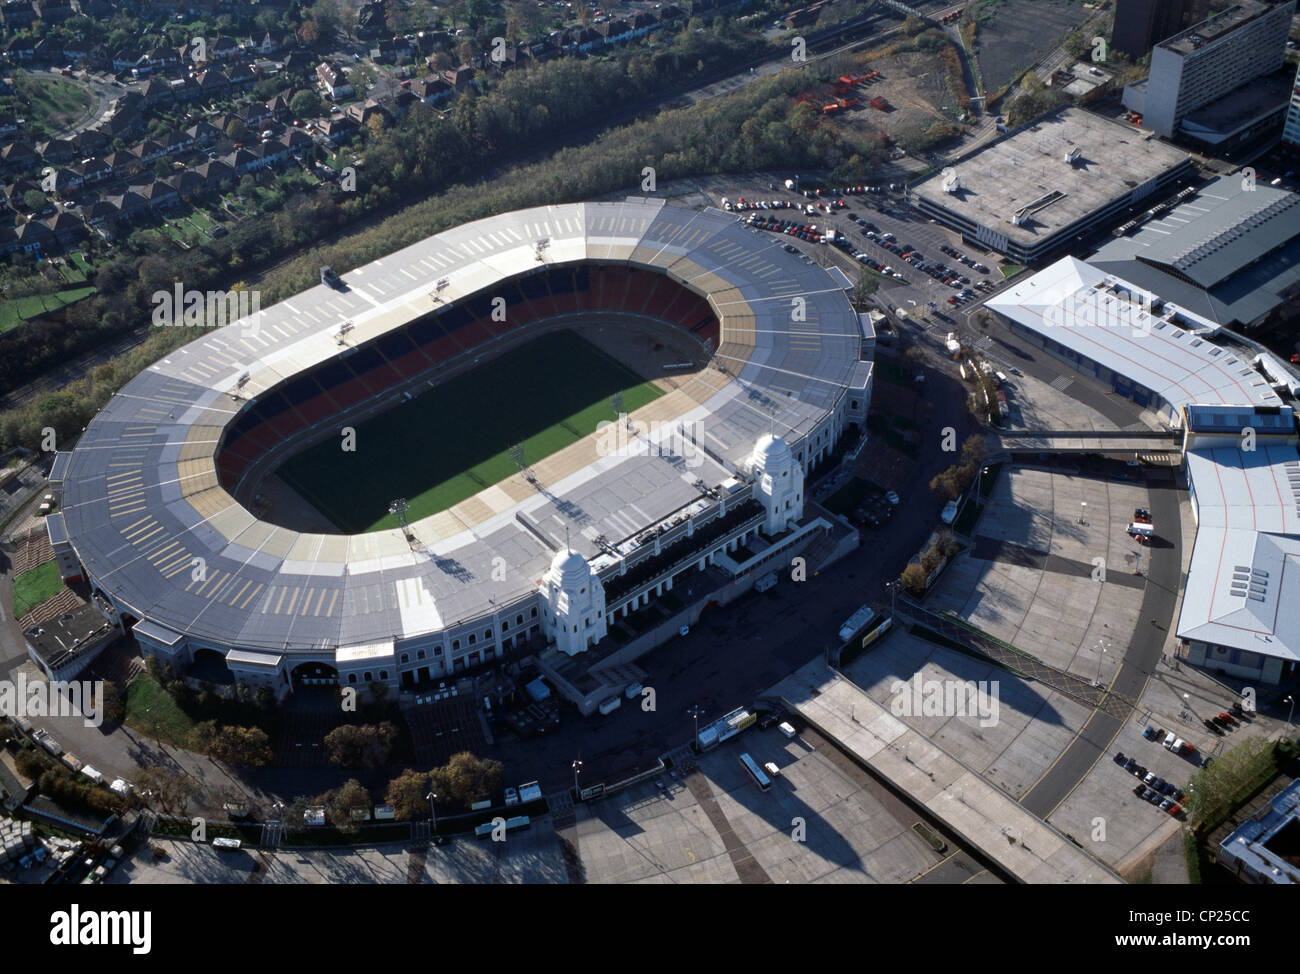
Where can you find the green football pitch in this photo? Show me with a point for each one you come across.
(454, 440)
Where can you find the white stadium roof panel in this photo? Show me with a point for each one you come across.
(144, 465)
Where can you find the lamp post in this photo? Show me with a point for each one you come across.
(1291, 700)
(577, 769)
(1101, 651)
(695, 711)
(433, 811)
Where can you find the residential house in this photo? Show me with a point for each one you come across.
(277, 107)
(159, 195)
(90, 141)
(130, 205)
(224, 48)
(189, 184)
(52, 11)
(432, 90)
(203, 135)
(17, 156)
(18, 50)
(363, 112)
(339, 130)
(15, 191)
(334, 80)
(458, 77)
(93, 171)
(16, 15)
(216, 174)
(156, 91)
(55, 152)
(299, 63)
(123, 163)
(34, 237)
(241, 77)
(213, 84)
(66, 228)
(269, 42)
(102, 216)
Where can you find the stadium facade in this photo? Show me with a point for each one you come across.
(151, 516)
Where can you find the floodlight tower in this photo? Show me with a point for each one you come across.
(341, 336)
(540, 248)
(399, 507)
(439, 286)
(242, 381)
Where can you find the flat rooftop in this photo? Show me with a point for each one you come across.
(1239, 109)
(1026, 166)
(63, 638)
(1216, 27)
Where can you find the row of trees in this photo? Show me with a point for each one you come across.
(759, 128)
(953, 481)
(461, 781)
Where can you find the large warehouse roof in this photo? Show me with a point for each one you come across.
(1227, 252)
(1110, 321)
(155, 528)
(1030, 166)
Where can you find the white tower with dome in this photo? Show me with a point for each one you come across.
(573, 603)
(778, 483)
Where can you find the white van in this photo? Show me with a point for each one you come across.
(786, 728)
(1140, 532)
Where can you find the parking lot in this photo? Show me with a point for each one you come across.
(887, 215)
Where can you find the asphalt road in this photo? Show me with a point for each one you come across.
(1140, 658)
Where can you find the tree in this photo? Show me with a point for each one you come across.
(340, 804)
(112, 709)
(165, 790)
(950, 482)
(305, 104)
(1074, 44)
(246, 746)
(913, 25)
(361, 745)
(34, 200)
(468, 776)
(913, 579)
(1220, 786)
(408, 792)
(974, 450)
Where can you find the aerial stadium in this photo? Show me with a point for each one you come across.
(502, 435)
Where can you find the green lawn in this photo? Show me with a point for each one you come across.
(54, 102)
(151, 710)
(17, 310)
(1009, 270)
(454, 440)
(33, 587)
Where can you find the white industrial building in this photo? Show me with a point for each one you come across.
(1241, 607)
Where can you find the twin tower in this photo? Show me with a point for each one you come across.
(573, 598)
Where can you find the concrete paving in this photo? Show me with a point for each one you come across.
(1059, 618)
(955, 794)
